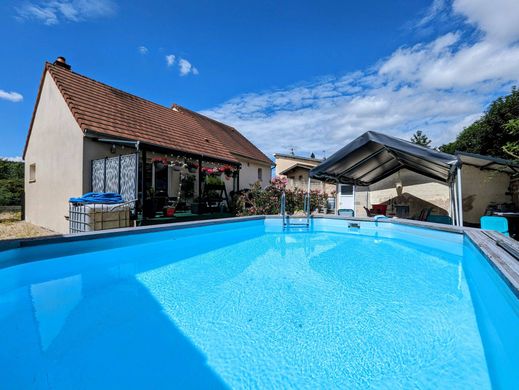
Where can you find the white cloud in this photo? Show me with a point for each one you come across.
(439, 87)
(143, 50)
(170, 59)
(185, 67)
(14, 159)
(53, 11)
(14, 97)
(432, 12)
(498, 19)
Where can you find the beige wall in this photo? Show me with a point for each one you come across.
(283, 163)
(408, 188)
(479, 188)
(93, 150)
(294, 180)
(249, 173)
(56, 147)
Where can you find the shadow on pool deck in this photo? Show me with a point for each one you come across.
(88, 344)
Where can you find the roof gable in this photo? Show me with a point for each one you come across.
(104, 110)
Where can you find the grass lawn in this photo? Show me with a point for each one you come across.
(12, 227)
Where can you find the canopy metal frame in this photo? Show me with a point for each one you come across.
(373, 157)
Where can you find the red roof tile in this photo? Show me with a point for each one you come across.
(235, 142)
(105, 110)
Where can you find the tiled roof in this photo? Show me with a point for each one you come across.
(101, 109)
(229, 136)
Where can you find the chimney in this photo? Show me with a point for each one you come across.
(61, 61)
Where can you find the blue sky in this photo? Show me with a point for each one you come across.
(303, 75)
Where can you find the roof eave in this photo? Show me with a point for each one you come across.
(38, 96)
(95, 134)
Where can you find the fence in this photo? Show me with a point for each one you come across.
(116, 174)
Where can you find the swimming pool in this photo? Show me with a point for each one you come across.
(248, 305)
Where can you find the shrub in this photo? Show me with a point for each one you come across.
(267, 201)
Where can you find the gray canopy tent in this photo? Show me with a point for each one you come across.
(374, 156)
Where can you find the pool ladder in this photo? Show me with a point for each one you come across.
(286, 218)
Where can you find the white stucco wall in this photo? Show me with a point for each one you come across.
(249, 173)
(479, 188)
(406, 187)
(56, 147)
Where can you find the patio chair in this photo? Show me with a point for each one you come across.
(368, 212)
(424, 214)
(499, 224)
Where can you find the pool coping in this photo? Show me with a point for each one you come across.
(498, 249)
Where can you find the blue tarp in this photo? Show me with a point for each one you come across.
(98, 197)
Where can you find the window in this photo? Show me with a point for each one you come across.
(32, 173)
(346, 189)
(260, 174)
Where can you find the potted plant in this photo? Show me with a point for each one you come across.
(211, 171)
(192, 167)
(160, 162)
(196, 206)
(227, 170)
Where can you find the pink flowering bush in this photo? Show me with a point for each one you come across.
(267, 201)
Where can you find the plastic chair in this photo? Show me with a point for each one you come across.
(499, 224)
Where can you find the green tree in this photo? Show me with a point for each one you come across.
(495, 133)
(420, 138)
(11, 182)
(512, 147)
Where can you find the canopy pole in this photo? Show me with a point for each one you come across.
(452, 212)
(460, 197)
(308, 195)
(337, 198)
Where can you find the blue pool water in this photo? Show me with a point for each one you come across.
(246, 305)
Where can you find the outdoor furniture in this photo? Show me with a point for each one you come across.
(424, 214)
(379, 209)
(401, 211)
(346, 212)
(368, 212)
(445, 219)
(499, 224)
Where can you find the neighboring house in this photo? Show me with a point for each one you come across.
(85, 135)
(296, 169)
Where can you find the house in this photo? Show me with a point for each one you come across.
(85, 135)
(296, 169)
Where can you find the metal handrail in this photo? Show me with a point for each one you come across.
(286, 218)
(283, 207)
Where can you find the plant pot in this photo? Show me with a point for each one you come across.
(149, 208)
(176, 168)
(168, 211)
(195, 208)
